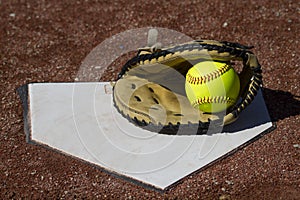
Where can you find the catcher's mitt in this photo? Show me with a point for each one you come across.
(150, 87)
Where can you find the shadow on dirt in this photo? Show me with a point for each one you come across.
(281, 104)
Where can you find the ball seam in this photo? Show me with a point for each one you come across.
(208, 77)
(215, 99)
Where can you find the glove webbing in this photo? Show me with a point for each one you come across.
(234, 50)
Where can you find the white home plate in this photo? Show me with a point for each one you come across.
(79, 119)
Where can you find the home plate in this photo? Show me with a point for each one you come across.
(79, 119)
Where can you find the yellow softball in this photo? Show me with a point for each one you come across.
(212, 86)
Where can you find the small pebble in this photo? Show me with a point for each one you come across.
(225, 24)
(229, 182)
(224, 197)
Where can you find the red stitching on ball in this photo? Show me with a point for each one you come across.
(216, 99)
(208, 77)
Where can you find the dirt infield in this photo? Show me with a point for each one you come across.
(46, 41)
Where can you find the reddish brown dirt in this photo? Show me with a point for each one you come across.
(45, 41)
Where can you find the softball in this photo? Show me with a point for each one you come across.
(212, 86)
